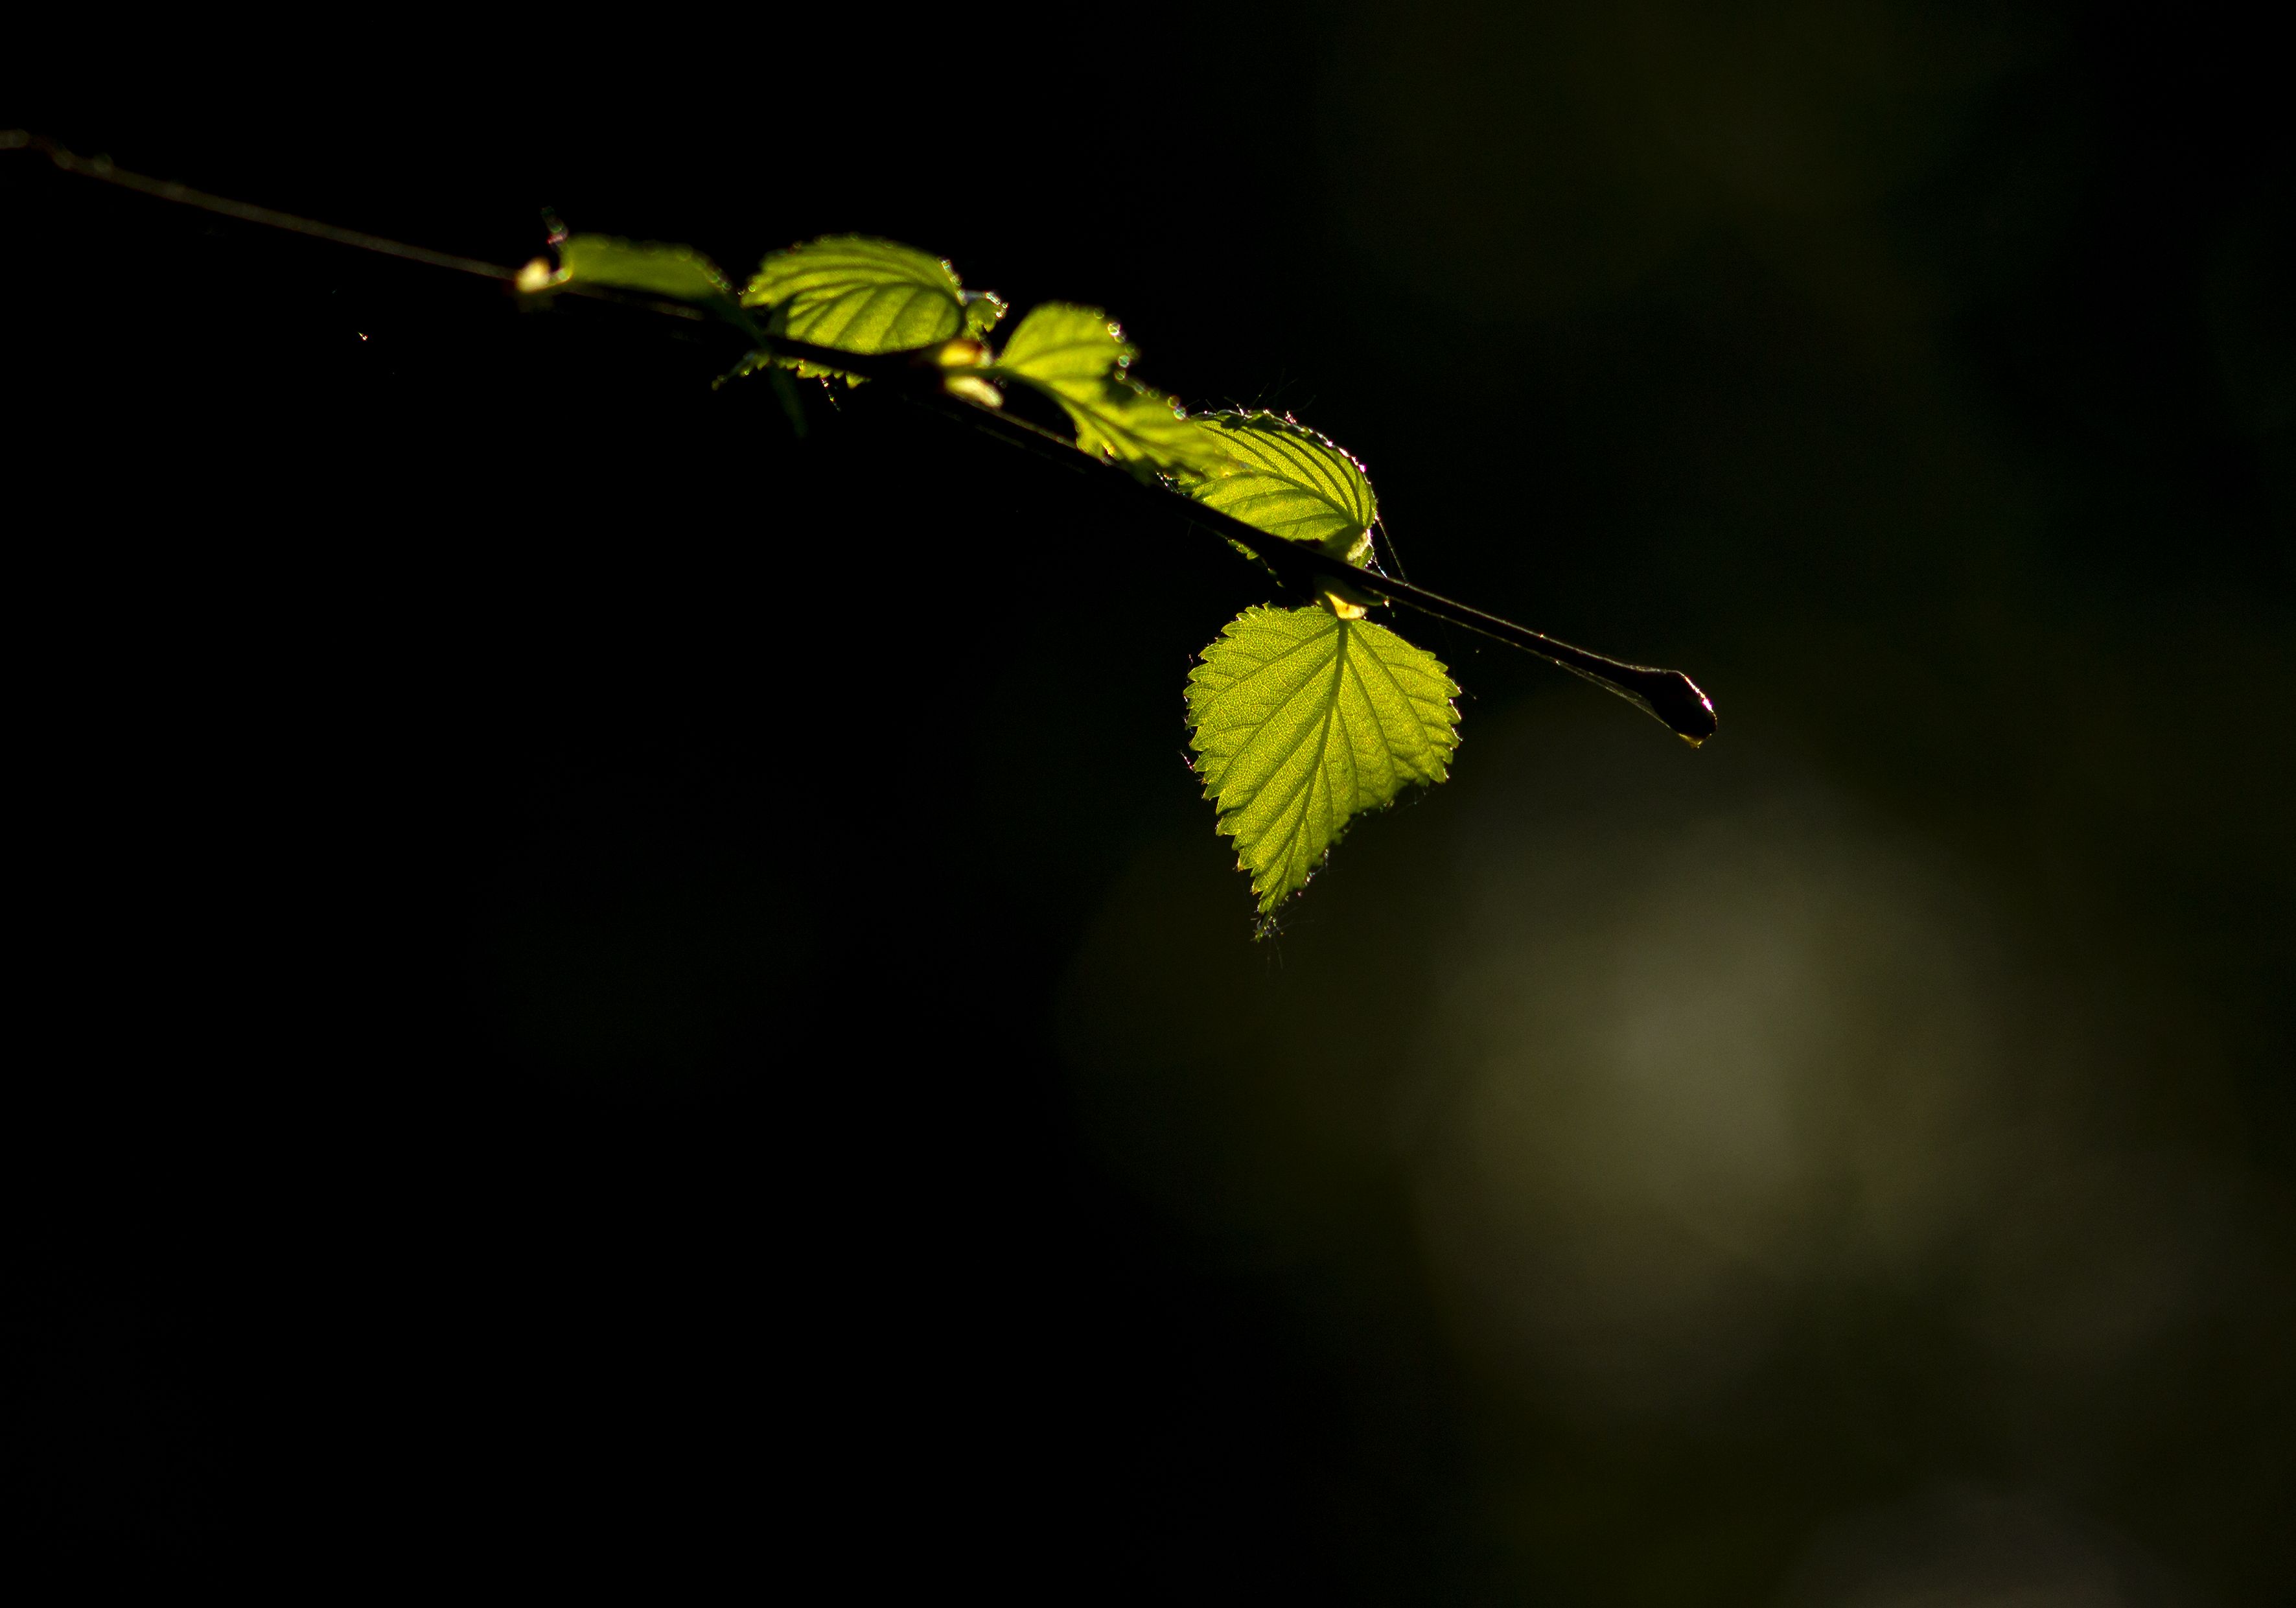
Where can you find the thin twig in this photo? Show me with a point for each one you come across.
(1668, 696)
(106, 171)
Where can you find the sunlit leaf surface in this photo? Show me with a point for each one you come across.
(1303, 720)
(1060, 343)
(1077, 355)
(861, 295)
(1292, 482)
(678, 272)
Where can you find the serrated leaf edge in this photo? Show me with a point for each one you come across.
(1357, 548)
(1224, 820)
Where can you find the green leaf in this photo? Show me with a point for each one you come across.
(1292, 482)
(1304, 720)
(982, 310)
(1060, 343)
(678, 272)
(864, 295)
(1077, 355)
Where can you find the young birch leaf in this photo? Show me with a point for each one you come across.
(1304, 719)
(1291, 482)
(1077, 355)
(864, 295)
(1298, 484)
(680, 273)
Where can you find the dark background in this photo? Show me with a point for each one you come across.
(608, 995)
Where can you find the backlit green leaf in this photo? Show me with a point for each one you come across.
(864, 295)
(1292, 482)
(678, 272)
(1060, 343)
(1303, 720)
(982, 310)
(1077, 355)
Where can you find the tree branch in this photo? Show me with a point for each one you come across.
(920, 376)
